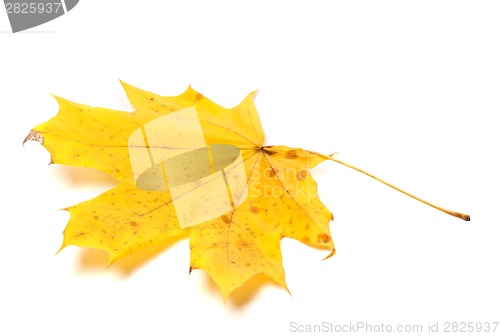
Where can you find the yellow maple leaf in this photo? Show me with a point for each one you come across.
(185, 163)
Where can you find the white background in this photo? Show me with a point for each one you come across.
(407, 90)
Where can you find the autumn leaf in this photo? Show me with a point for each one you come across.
(185, 163)
(280, 194)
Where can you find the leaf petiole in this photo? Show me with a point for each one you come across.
(460, 215)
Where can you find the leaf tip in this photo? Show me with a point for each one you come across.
(254, 93)
(189, 91)
(58, 99)
(249, 99)
(124, 84)
(110, 262)
(287, 289)
(332, 253)
(112, 258)
(63, 246)
(33, 136)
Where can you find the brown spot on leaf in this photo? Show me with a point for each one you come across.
(269, 173)
(302, 174)
(291, 154)
(199, 96)
(254, 210)
(96, 217)
(268, 152)
(132, 223)
(323, 238)
(225, 219)
(33, 136)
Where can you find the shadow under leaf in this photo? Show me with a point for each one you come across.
(94, 260)
(77, 177)
(243, 295)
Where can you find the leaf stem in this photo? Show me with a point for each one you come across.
(460, 215)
